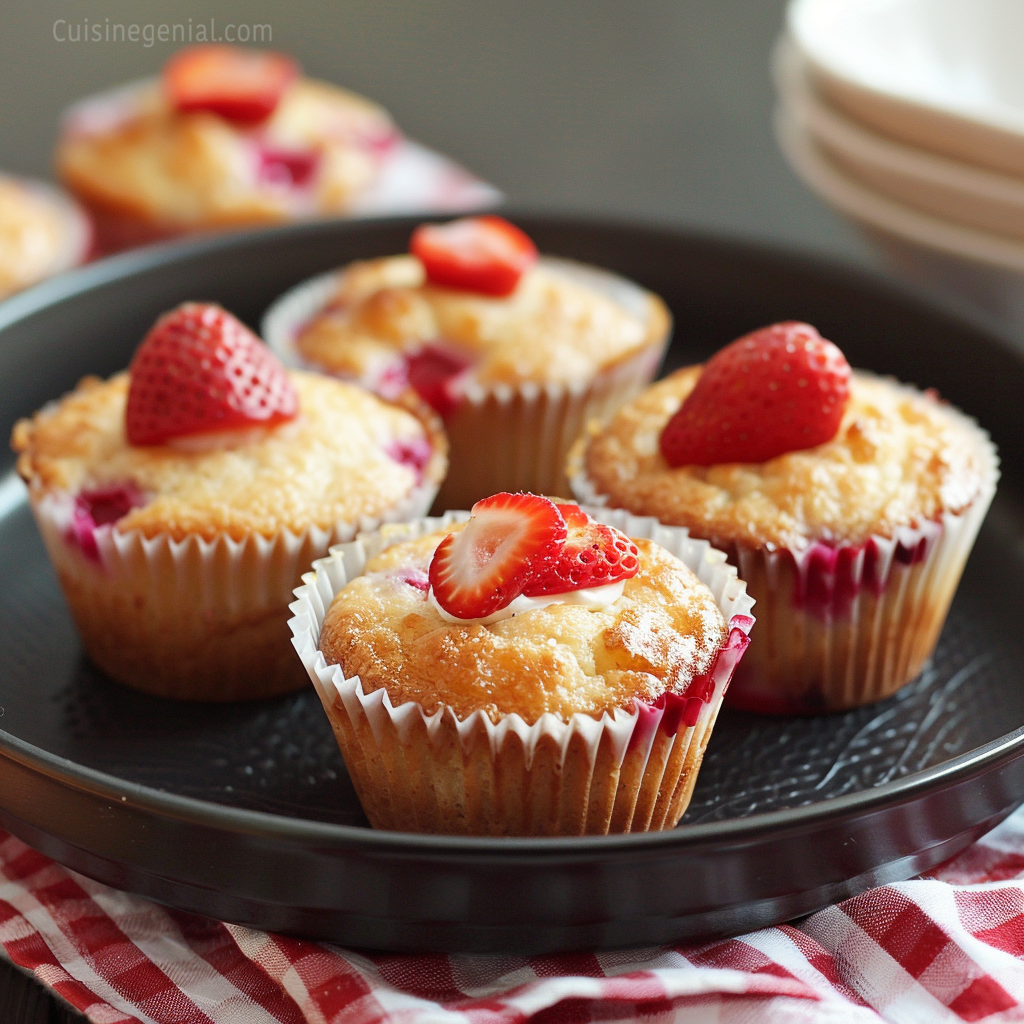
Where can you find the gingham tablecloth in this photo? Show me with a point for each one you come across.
(947, 947)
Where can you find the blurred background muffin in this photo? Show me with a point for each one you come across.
(42, 232)
(516, 353)
(230, 137)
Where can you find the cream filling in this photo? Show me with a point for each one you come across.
(595, 598)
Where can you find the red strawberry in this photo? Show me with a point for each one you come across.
(240, 85)
(476, 254)
(200, 370)
(780, 389)
(593, 555)
(485, 566)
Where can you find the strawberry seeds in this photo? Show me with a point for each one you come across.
(780, 389)
(200, 370)
(525, 544)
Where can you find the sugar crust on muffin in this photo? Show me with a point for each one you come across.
(563, 659)
(900, 458)
(199, 170)
(552, 329)
(330, 465)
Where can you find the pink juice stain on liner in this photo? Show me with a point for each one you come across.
(833, 576)
(674, 711)
(99, 507)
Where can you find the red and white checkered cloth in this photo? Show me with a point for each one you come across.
(948, 947)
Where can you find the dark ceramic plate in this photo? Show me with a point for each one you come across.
(246, 812)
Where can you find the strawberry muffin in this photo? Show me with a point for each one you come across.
(181, 501)
(849, 503)
(527, 669)
(42, 233)
(514, 352)
(227, 137)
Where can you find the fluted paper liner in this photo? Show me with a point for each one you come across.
(192, 619)
(841, 626)
(504, 437)
(631, 770)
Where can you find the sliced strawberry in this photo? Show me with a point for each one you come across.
(201, 370)
(781, 389)
(593, 555)
(240, 85)
(475, 254)
(485, 566)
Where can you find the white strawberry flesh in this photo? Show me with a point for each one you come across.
(484, 567)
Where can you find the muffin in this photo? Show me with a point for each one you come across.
(180, 502)
(227, 137)
(42, 233)
(531, 672)
(514, 353)
(848, 502)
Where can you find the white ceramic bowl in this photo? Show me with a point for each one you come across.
(945, 75)
(982, 269)
(953, 190)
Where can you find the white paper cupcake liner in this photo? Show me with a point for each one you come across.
(437, 773)
(504, 437)
(194, 619)
(848, 625)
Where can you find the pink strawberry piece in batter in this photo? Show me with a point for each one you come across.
(437, 374)
(413, 452)
(416, 578)
(289, 168)
(101, 506)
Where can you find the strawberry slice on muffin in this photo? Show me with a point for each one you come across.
(526, 545)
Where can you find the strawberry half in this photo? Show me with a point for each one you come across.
(781, 389)
(240, 85)
(485, 566)
(592, 555)
(475, 254)
(201, 370)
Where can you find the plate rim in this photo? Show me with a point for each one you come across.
(93, 782)
(267, 824)
(206, 812)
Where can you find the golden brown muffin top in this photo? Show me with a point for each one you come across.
(558, 326)
(335, 463)
(901, 457)
(199, 170)
(665, 629)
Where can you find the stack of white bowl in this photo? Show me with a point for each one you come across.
(908, 117)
